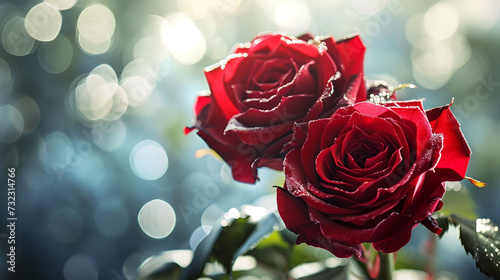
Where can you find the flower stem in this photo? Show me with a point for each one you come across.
(386, 266)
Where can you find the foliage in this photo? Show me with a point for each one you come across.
(481, 239)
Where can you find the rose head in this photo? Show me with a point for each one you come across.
(265, 86)
(370, 173)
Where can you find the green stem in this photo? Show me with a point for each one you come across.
(386, 266)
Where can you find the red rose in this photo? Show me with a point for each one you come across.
(370, 173)
(264, 87)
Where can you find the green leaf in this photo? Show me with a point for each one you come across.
(201, 254)
(275, 239)
(331, 268)
(481, 239)
(264, 228)
(444, 224)
(164, 265)
(229, 239)
(232, 237)
(273, 251)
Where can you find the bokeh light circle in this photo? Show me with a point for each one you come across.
(30, 111)
(148, 160)
(157, 219)
(55, 56)
(6, 81)
(61, 4)
(56, 151)
(119, 105)
(441, 21)
(366, 8)
(12, 124)
(15, 38)
(292, 16)
(94, 96)
(93, 48)
(109, 135)
(80, 267)
(198, 235)
(95, 28)
(183, 38)
(96, 23)
(43, 22)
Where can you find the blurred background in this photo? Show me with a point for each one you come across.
(94, 95)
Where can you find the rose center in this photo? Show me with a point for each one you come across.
(362, 152)
(272, 74)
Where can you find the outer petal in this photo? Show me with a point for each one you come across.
(239, 157)
(221, 97)
(293, 211)
(201, 102)
(456, 153)
(353, 52)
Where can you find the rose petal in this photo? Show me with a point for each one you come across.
(311, 148)
(221, 98)
(352, 51)
(456, 153)
(240, 162)
(299, 137)
(289, 109)
(293, 212)
(258, 135)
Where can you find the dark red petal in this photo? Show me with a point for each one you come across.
(258, 135)
(294, 213)
(370, 109)
(337, 123)
(290, 108)
(351, 92)
(306, 37)
(298, 185)
(431, 225)
(239, 157)
(271, 74)
(420, 210)
(325, 165)
(301, 50)
(456, 153)
(215, 81)
(210, 124)
(339, 249)
(299, 137)
(201, 102)
(422, 125)
(353, 51)
(406, 103)
(426, 195)
(397, 240)
(306, 81)
(352, 234)
(311, 147)
(292, 210)
(295, 177)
